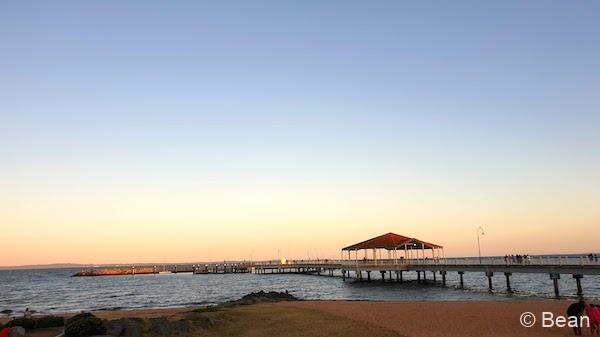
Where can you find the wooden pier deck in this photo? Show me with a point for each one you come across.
(389, 269)
(361, 270)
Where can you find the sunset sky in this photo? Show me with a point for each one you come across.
(185, 131)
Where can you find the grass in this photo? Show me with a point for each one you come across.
(271, 320)
(260, 320)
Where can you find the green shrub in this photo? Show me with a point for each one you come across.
(84, 325)
(49, 322)
(27, 323)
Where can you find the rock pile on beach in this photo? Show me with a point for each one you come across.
(264, 297)
(84, 324)
(181, 324)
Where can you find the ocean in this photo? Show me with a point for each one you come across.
(55, 291)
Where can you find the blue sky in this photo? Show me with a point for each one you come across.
(427, 97)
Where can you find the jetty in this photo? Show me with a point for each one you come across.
(393, 257)
(404, 254)
(223, 268)
(196, 268)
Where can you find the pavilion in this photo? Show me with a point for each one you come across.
(397, 247)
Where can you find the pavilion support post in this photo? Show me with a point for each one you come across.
(397, 276)
(508, 288)
(401, 277)
(390, 275)
(368, 276)
(578, 280)
(489, 275)
(434, 277)
(462, 283)
(424, 276)
(382, 275)
(555, 278)
(418, 276)
(443, 273)
(375, 255)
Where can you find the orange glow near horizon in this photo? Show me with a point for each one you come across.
(175, 226)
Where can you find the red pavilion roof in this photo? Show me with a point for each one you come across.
(392, 241)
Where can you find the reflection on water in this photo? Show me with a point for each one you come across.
(55, 291)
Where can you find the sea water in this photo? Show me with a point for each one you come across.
(54, 290)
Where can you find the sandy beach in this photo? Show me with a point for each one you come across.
(445, 319)
(362, 318)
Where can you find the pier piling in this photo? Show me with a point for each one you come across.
(489, 275)
(555, 278)
(578, 279)
(508, 288)
(462, 283)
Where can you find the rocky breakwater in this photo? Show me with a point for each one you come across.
(197, 322)
(115, 271)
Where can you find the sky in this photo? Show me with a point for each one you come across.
(158, 131)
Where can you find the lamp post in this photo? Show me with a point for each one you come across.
(478, 243)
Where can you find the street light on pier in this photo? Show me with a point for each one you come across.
(479, 229)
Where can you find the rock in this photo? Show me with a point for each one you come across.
(181, 328)
(263, 297)
(125, 327)
(160, 327)
(16, 331)
(27, 323)
(83, 325)
(77, 317)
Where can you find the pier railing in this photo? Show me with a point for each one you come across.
(538, 260)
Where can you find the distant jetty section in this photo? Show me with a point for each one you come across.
(212, 268)
(115, 271)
